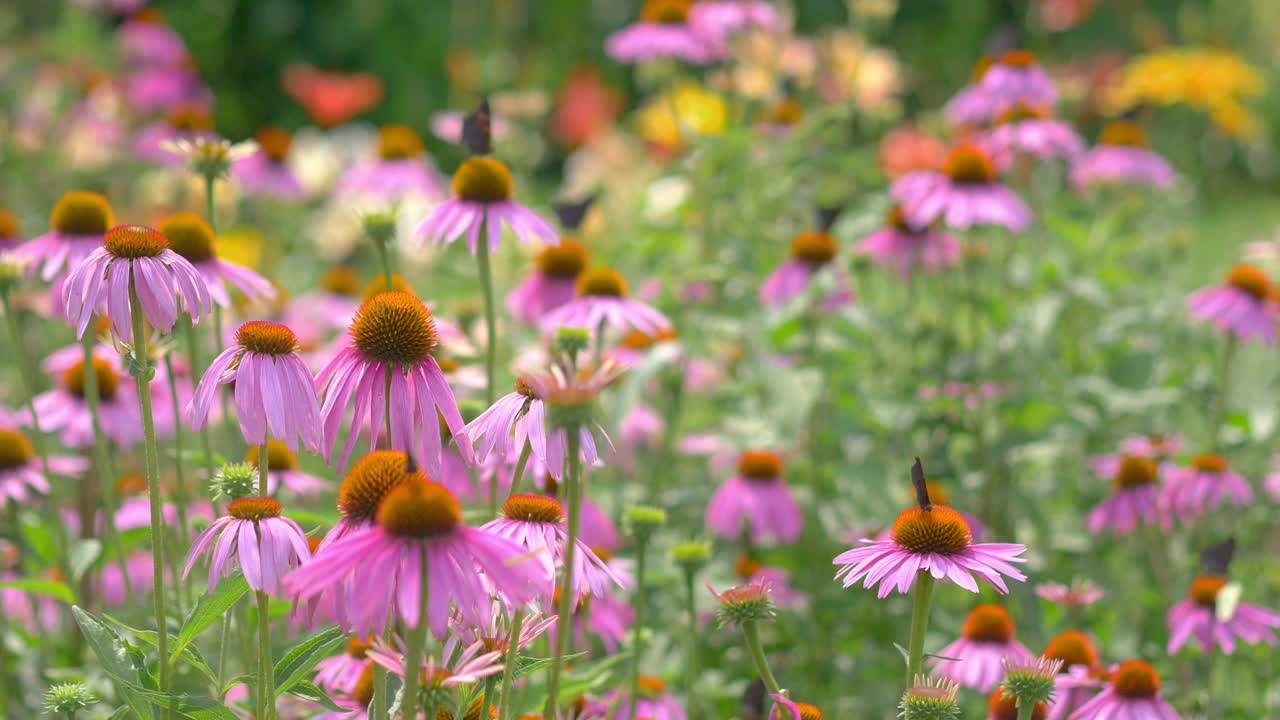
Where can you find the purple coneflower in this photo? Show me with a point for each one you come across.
(1081, 593)
(334, 302)
(21, 471)
(985, 640)
(1076, 682)
(110, 581)
(266, 171)
(189, 122)
(663, 31)
(388, 367)
(401, 170)
(1198, 616)
(473, 663)
(1031, 131)
(146, 39)
(788, 709)
(191, 237)
(354, 702)
(562, 383)
(1017, 78)
(1243, 306)
(1158, 447)
(1204, 486)
(448, 126)
(1135, 498)
(282, 469)
(10, 230)
(904, 246)
(971, 106)
(717, 21)
(1132, 692)
(64, 410)
(1121, 156)
(758, 496)
(811, 252)
(601, 299)
(341, 672)
(552, 283)
(77, 224)
(966, 192)
(265, 545)
(653, 702)
(784, 595)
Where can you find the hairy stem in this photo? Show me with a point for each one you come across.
(564, 614)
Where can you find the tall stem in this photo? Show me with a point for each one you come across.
(223, 638)
(417, 640)
(919, 623)
(103, 460)
(487, 697)
(506, 708)
(142, 373)
(751, 631)
(192, 357)
(1224, 388)
(490, 325)
(180, 491)
(264, 469)
(636, 629)
(690, 642)
(266, 668)
(521, 463)
(564, 614)
(1025, 709)
(384, 254)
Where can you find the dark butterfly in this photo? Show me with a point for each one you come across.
(572, 213)
(827, 217)
(922, 490)
(1216, 558)
(477, 132)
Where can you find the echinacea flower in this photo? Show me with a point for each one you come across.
(812, 251)
(185, 123)
(934, 539)
(1134, 500)
(77, 224)
(353, 703)
(65, 410)
(758, 496)
(1203, 486)
(1076, 682)
(602, 299)
(933, 698)
(10, 229)
(110, 582)
(1033, 132)
(264, 544)
(663, 31)
(1199, 616)
(552, 283)
(342, 671)
(1122, 156)
(966, 192)
(566, 398)
(1017, 78)
(146, 39)
(419, 527)
(1002, 705)
(282, 469)
(457, 666)
(335, 301)
(22, 472)
(367, 481)
(275, 396)
(388, 368)
(400, 170)
(905, 247)
(1156, 446)
(1133, 693)
(537, 524)
(266, 170)
(788, 709)
(1242, 306)
(134, 264)
(971, 106)
(1081, 593)
(192, 238)
(985, 640)
(718, 21)
(784, 595)
(653, 701)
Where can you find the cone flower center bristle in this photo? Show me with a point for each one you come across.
(363, 691)
(524, 388)
(988, 623)
(759, 465)
(368, 481)
(190, 236)
(533, 508)
(1022, 111)
(131, 484)
(940, 530)
(483, 179)
(1251, 279)
(815, 247)
(266, 338)
(1123, 133)
(108, 381)
(1002, 706)
(665, 12)
(640, 340)
(1135, 679)
(398, 142)
(134, 241)
(341, 280)
(254, 508)
(279, 456)
(746, 566)
(1204, 589)
(980, 68)
(970, 165)
(809, 711)
(651, 685)
(81, 212)
(378, 285)
(275, 143)
(1209, 462)
(896, 218)
(1018, 58)
(15, 449)
(394, 327)
(9, 227)
(190, 118)
(1134, 471)
(358, 647)
(419, 508)
(566, 260)
(602, 552)
(602, 282)
(1072, 647)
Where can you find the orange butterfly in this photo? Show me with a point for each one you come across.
(331, 98)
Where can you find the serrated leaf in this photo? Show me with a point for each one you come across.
(52, 588)
(307, 690)
(116, 660)
(302, 657)
(209, 609)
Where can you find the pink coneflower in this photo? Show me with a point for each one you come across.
(751, 571)
(1242, 306)
(266, 171)
(1122, 156)
(663, 31)
(274, 392)
(812, 251)
(641, 428)
(419, 525)
(1157, 447)
(1081, 593)
(985, 640)
(146, 39)
(335, 301)
(134, 262)
(1135, 498)
(905, 247)
(933, 538)
(537, 524)
(392, 337)
(110, 584)
(1076, 681)
(282, 469)
(363, 487)
(788, 709)
(717, 21)
(64, 410)
(400, 171)
(78, 222)
(1197, 616)
(1031, 131)
(354, 702)
(473, 663)
(191, 237)
(575, 387)
(971, 106)
(448, 126)
(653, 702)
(1133, 693)
(601, 299)
(157, 87)
(21, 470)
(552, 283)
(1017, 78)
(341, 672)
(1204, 486)
(265, 545)
(965, 193)
(758, 496)
(189, 122)
(10, 230)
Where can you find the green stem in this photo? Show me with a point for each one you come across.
(209, 181)
(921, 601)
(264, 469)
(223, 638)
(379, 707)
(521, 463)
(506, 708)
(487, 697)
(636, 641)
(564, 614)
(266, 668)
(597, 356)
(1224, 388)
(413, 654)
(384, 254)
(691, 642)
(192, 357)
(751, 631)
(180, 491)
(142, 373)
(1025, 709)
(103, 460)
(490, 324)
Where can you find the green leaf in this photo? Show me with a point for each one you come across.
(117, 659)
(191, 655)
(121, 713)
(52, 588)
(40, 540)
(306, 690)
(208, 610)
(526, 664)
(83, 554)
(296, 663)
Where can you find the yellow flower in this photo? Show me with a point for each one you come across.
(1209, 79)
(670, 118)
